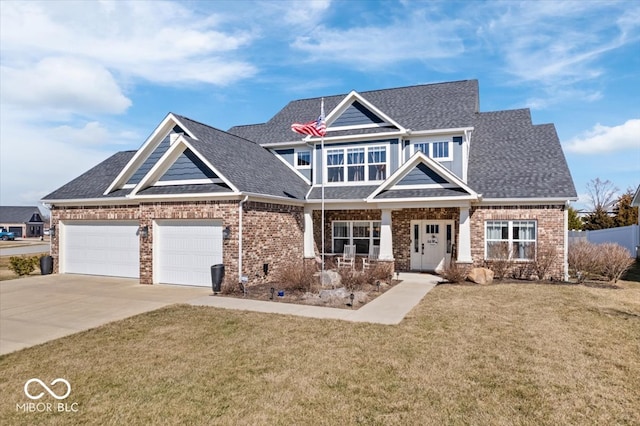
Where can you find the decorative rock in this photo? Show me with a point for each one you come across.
(480, 276)
(331, 279)
(338, 292)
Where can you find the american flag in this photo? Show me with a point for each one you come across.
(314, 128)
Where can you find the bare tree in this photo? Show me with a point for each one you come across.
(602, 194)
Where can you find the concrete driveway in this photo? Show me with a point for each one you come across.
(37, 309)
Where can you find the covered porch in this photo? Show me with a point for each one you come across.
(418, 237)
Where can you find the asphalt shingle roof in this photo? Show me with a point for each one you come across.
(511, 158)
(424, 192)
(95, 181)
(17, 214)
(249, 167)
(428, 106)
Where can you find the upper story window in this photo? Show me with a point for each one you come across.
(438, 150)
(359, 164)
(303, 159)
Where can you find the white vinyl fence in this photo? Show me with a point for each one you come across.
(626, 236)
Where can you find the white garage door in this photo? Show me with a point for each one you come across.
(109, 248)
(185, 250)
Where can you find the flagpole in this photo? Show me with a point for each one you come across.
(322, 190)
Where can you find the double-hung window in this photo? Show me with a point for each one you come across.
(362, 234)
(357, 164)
(510, 239)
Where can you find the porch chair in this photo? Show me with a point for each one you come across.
(374, 253)
(348, 258)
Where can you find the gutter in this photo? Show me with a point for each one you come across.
(240, 239)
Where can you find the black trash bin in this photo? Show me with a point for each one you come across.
(217, 275)
(46, 265)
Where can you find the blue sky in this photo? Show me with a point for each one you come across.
(82, 80)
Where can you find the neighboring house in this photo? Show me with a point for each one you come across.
(418, 171)
(23, 221)
(635, 202)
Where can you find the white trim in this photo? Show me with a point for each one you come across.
(419, 133)
(510, 240)
(187, 182)
(398, 187)
(515, 201)
(358, 126)
(358, 138)
(147, 148)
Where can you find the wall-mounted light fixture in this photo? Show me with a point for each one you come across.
(143, 231)
(226, 233)
(52, 231)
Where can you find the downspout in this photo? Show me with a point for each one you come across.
(240, 240)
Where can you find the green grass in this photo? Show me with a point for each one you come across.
(507, 354)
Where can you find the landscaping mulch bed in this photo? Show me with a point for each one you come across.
(319, 297)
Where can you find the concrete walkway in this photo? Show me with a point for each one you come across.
(38, 309)
(389, 308)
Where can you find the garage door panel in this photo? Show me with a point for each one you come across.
(102, 248)
(185, 251)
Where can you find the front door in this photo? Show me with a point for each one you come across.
(431, 244)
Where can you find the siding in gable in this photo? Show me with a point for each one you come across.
(188, 166)
(154, 157)
(287, 155)
(356, 114)
(421, 175)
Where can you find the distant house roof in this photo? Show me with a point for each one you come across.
(635, 201)
(20, 214)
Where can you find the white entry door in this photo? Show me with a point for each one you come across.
(110, 248)
(431, 244)
(185, 250)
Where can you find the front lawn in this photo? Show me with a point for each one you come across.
(505, 354)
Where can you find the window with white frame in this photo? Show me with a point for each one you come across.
(362, 234)
(438, 150)
(362, 164)
(510, 239)
(303, 159)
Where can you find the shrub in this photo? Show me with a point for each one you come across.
(23, 265)
(500, 263)
(355, 280)
(616, 260)
(455, 273)
(545, 258)
(584, 260)
(296, 276)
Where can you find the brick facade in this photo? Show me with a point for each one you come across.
(273, 233)
(550, 229)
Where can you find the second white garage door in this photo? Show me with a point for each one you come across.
(185, 250)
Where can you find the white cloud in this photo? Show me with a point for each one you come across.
(549, 43)
(63, 84)
(416, 38)
(155, 41)
(606, 139)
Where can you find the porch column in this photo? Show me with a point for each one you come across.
(386, 236)
(464, 238)
(309, 252)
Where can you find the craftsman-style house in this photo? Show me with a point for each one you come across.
(417, 171)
